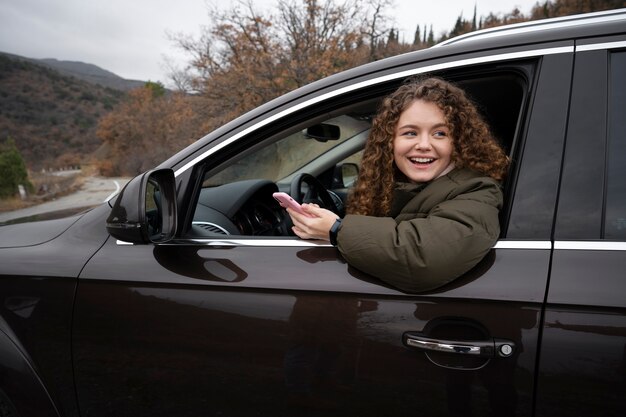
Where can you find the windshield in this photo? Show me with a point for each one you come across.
(286, 156)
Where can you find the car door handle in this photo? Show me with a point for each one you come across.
(485, 349)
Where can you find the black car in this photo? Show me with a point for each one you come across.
(188, 296)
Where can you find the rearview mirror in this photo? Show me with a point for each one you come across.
(323, 132)
(145, 210)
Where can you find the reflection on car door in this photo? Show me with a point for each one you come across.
(266, 329)
(284, 327)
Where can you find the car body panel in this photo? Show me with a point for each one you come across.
(21, 389)
(37, 288)
(584, 335)
(33, 233)
(257, 320)
(239, 325)
(585, 323)
(223, 322)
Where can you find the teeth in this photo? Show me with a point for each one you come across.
(422, 160)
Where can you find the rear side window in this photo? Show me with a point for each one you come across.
(615, 215)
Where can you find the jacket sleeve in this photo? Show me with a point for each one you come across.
(425, 252)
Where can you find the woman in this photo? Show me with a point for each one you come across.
(425, 207)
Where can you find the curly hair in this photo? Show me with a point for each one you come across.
(474, 146)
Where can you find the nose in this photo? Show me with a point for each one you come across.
(422, 142)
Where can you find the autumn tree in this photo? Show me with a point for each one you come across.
(235, 64)
(148, 127)
(244, 58)
(551, 8)
(319, 38)
(558, 8)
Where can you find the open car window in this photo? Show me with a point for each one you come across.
(235, 195)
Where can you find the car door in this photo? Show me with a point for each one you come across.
(280, 326)
(583, 354)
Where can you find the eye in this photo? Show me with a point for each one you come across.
(440, 134)
(408, 133)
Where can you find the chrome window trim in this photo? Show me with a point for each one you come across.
(296, 242)
(598, 46)
(523, 244)
(501, 244)
(283, 243)
(590, 245)
(369, 83)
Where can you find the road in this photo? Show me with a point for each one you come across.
(94, 191)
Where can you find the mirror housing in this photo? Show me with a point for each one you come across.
(345, 175)
(323, 132)
(145, 210)
(349, 174)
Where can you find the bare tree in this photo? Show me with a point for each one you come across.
(244, 58)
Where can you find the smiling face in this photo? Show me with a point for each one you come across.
(422, 146)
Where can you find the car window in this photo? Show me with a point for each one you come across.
(277, 160)
(615, 217)
(235, 195)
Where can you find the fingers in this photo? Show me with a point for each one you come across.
(314, 209)
(299, 225)
(308, 227)
(300, 233)
(314, 224)
(296, 217)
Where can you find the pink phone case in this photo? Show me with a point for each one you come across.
(286, 201)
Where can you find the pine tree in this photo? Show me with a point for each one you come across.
(431, 37)
(12, 170)
(157, 88)
(474, 26)
(417, 39)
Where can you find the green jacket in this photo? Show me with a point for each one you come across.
(437, 231)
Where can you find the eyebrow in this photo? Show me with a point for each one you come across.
(411, 126)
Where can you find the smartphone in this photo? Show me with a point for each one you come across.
(286, 201)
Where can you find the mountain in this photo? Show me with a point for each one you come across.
(84, 71)
(52, 117)
(91, 73)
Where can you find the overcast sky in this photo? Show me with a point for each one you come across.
(129, 37)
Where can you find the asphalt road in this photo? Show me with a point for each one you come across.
(94, 191)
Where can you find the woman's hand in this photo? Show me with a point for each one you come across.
(316, 226)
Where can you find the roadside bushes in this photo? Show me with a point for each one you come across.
(12, 170)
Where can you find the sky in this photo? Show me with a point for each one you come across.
(130, 37)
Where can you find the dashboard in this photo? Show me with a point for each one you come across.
(240, 208)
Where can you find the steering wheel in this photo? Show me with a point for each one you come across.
(316, 192)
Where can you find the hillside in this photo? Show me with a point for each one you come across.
(90, 73)
(83, 71)
(52, 117)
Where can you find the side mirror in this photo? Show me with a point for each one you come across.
(345, 175)
(349, 174)
(145, 210)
